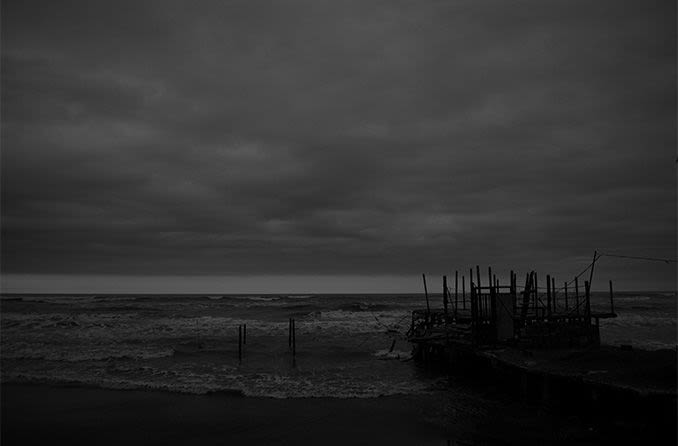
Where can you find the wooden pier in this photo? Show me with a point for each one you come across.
(533, 343)
(494, 314)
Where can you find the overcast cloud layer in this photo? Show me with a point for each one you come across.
(336, 137)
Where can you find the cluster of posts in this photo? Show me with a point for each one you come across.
(494, 313)
(292, 338)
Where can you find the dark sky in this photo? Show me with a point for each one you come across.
(336, 138)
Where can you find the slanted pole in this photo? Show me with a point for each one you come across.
(611, 299)
(593, 265)
(428, 308)
(576, 293)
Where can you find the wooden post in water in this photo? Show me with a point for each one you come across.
(548, 294)
(239, 343)
(554, 294)
(611, 299)
(244, 334)
(587, 289)
(428, 308)
(445, 296)
(294, 338)
(576, 293)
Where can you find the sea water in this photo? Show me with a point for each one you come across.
(189, 343)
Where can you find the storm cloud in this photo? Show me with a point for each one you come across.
(338, 137)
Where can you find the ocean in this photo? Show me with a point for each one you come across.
(347, 346)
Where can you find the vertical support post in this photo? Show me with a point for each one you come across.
(289, 333)
(587, 289)
(536, 295)
(576, 293)
(474, 310)
(554, 295)
(548, 294)
(479, 294)
(456, 292)
(490, 280)
(566, 304)
(428, 308)
(244, 334)
(294, 338)
(611, 299)
(239, 343)
(472, 296)
(445, 296)
(463, 292)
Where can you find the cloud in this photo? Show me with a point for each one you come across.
(335, 137)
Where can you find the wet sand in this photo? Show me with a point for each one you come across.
(42, 414)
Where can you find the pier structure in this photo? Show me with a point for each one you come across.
(492, 315)
(543, 344)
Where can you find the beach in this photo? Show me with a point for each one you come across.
(41, 414)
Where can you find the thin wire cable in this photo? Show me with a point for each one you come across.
(654, 259)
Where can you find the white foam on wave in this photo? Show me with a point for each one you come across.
(395, 354)
(81, 353)
(268, 385)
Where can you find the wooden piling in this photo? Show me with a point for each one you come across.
(611, 299)
(294, 338)
(490, 280)
(576, 293)
(239, 343)
(566, 304)
(587, 289)
(456, 292)
(478, 294)
(445, 296)
(554, 295)
(536, 296)
(428, 308)
(463, 292)
(548, 294)
(244, 334)
(289, 333)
